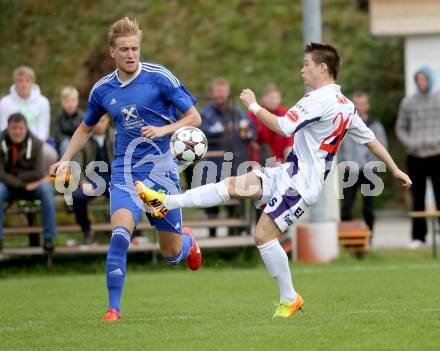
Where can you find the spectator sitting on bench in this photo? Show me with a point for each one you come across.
(22, 174)
(100, 147)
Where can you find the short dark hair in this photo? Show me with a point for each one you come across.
(17, 118)
(325, 53)
(360, 93)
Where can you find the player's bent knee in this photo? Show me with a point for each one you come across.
(260, 238)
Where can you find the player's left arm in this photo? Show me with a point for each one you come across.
(248, 98)
(189, 118)
(175, 93)
(381, 152)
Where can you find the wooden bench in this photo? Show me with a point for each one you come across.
(247, 222)
(106, 227)
(354, 236)
(204, 243)
(433, 215)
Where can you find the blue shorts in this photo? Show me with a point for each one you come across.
(123, 195)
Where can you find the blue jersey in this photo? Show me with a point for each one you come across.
(151, 97)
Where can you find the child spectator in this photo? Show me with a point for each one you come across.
(68, 119)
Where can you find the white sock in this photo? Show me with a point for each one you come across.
(277, 264)
(203, 196)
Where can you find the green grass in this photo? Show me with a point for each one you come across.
(390, 301)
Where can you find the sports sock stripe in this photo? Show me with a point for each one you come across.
(121, 231)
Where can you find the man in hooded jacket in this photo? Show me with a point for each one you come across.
(418, 129)
(25, 97)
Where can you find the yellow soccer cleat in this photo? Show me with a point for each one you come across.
(153, 199)
(285, 309)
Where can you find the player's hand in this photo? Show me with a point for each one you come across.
(54, 168)
(247, 96)
(32, 185)
(405, 181)
(59, 169)
(152, 132)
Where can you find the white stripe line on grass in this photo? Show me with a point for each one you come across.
(383, 311)
(31, 324)
(389, 267)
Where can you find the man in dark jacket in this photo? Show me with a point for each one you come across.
(99, 148)
(229, 129)
(22, 175)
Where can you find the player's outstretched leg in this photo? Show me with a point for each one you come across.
(204, 196)
(277, 263)
(116, 270)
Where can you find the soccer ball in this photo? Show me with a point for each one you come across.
(188, 144)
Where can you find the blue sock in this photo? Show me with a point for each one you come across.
(184, 251)
(115, 266)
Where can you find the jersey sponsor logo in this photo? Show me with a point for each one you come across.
(113, 101)
(293, 116)
(131, 117)
(301, 108)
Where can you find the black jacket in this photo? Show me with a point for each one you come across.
(29, 163)
(66, 125)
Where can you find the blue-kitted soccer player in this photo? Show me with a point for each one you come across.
(143, 100)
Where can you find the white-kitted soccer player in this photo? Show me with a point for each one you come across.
(319, 122)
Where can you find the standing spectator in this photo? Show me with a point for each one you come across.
(100, 147)
(25, 97)
(418, 129)
(21, 174)
(68, 119)
(227, 128)
(351, 151)
(268, 143)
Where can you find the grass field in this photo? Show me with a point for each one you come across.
(390, 301)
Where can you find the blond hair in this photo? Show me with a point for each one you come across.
(69, 90)
(123, 28)
(23, 71)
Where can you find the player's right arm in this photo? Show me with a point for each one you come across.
(248, 98)
(379, 150)
(79, 139)
(83, 133)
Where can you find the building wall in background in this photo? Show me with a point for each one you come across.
(421, 50)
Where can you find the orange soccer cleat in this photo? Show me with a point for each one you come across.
(194, 259)
(111, 315)
(285, 309)
(153, 199)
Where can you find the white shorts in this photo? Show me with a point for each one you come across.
(281, 201)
